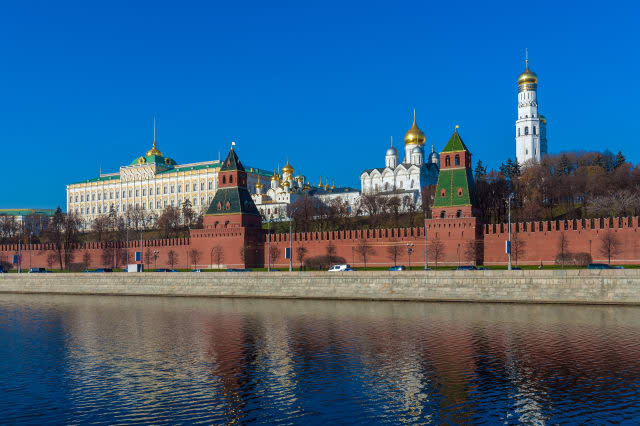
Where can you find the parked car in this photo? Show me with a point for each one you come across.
(238, 270)
(599, 266)
(516, 268)
(196, 270)
(618, 267)
(172, 270)
(340, 268)
(103, 270)
(466, 268)
(38, 271)
(398, 268)
(482, 268)
(2, 270)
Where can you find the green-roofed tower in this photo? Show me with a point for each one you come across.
(455, 193)
(232, 205)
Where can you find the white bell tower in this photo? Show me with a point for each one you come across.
(531, 133)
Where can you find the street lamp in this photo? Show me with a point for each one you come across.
(509, 198)
(290, 244)
(269, 245)
(409, 251)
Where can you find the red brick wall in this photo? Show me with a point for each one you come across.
(539, 245)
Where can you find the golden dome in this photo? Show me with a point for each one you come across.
(414, 136)
(286, 183)
(154, 151)
(320, 183)
(259, 184)
(528, 76)
(275, 176)
(287, 168)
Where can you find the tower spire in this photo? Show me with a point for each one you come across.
(414, 116)
(391, 141)
(526, 56)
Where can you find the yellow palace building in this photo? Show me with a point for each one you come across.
(150, 182)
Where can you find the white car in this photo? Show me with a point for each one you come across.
(340, 268)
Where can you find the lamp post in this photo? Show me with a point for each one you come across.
(290, 244)
(509, 243)
(409, 251)
(426, 252)
(269, 245)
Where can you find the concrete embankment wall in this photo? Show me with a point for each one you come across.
(574, 286)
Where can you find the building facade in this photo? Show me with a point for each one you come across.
(286, 188)
(407, 177)
(150, 182)
(531, 127)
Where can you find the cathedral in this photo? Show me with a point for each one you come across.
(408, 177)
(531, 127)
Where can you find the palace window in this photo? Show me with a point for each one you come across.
(164, 189)
(93, 197)
(164, 203)
(111, 195)
(76, 198)
(144, 205)
(158, 205)
(99, 196)
(202, 201)
(144, 192)
(70, 199)
(210, 185)
(130, 193)
(202, 185)
(117, 194)
(210, 198)
(81, 198)
(526, 130)
(137, 192)
(457, 160)
(186, 187)
(179, 188)
(158, 190)
(195, 187)
(93, 210)
(151, 190)
(137, 206)
(173, 189)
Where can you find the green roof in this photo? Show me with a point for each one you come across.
(232, 200)
(26, 212)
(451, 180)
(455, 143)
(232, 162)
(154, 159)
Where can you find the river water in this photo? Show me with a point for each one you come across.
(80, 359)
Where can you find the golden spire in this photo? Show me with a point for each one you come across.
(333, 184)
(414, 136)
(259, 184)
(320, 182)
(154, 150)
(528, 76)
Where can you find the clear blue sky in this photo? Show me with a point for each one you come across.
(324, 83)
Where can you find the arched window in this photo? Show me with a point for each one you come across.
(457, 160)
(386, 186)
(526, 130)
(534, 130)
(411, 183)
(447, 161)
(443, 193)
(459, 213)
(224, 179)
(459, 192)
(231, 179)
(443, 214)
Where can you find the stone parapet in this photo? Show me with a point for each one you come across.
(571, 286)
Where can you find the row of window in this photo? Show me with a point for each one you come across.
(387, 186)
(165, 190)
(526, 130)
(158, 205)
(456, 161)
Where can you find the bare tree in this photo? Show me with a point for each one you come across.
(101, 226)
(64, 232)
(301, 253)
(563, 249)
(188, 215)
(436, 249)
(471, 251)
(331, 252)
(217, 255)
(86, 259)
(245, 254)
(194, 254)
(169, 222)
(172, 258)
(364, 250)
(51, 259)
(394, 252)
(518, 246)
(274, 254)
(609, 244)
(148, 256)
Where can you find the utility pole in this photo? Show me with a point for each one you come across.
(509, 243)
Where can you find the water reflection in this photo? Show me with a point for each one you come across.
(107, 359)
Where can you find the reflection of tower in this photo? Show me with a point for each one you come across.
(531, 134)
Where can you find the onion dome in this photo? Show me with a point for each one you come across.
(275, 177)
(414, 136)
(320, 183)
(154, 151)
(286, 184)
(259, 184)
(287, 168)
(392, 151)
(528, 76)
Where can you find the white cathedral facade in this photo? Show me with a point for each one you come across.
(407, 177)
(531, 127)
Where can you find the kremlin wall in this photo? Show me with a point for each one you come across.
(232, 225)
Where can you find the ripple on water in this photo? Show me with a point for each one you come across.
(76, 359)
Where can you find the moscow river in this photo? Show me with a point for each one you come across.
(81, 359)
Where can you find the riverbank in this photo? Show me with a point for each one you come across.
(569, 286)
